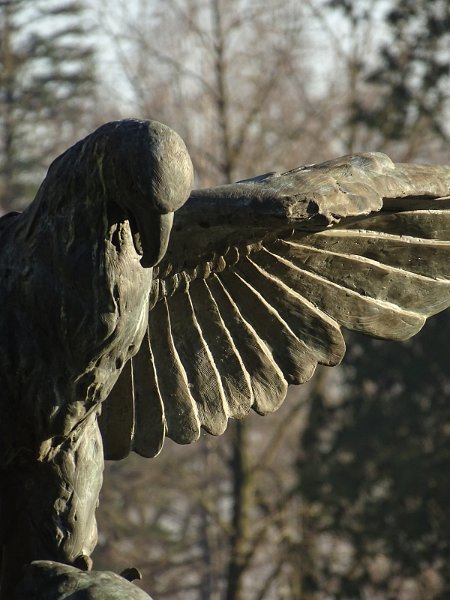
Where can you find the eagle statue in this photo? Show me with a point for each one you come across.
(133, 308)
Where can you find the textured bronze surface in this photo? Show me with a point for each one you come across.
(100, 313)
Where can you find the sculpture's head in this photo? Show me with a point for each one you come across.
(150, 175)
(143, 167)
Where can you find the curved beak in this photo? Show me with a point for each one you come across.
(151, 237)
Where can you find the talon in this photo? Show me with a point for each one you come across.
(131, 574)
(83, 562)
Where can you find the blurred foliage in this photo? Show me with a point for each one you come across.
(47, 85)
(396, 75)
(374, 469)
(173, 517)
(412, 75)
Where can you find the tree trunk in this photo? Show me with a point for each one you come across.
(242, 502)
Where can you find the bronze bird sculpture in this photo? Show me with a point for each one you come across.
(105, 322)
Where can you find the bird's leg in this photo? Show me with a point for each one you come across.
(48, 505)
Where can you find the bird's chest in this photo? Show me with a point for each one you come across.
(101, 299)
(114, 309)
(125, 316)
(82, 316)
(72, 325)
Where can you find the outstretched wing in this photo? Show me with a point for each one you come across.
(259, 278)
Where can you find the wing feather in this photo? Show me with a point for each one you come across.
(260, 277)
(204, 382)
(117, 419)
(348, 307)
(290, 353)
(149, 411)
(320, 335)
(235, 379)
(432, 223)
(268, 384)
(183, 422)
(369, 277)
(417, 255)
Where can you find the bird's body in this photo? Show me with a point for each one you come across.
(84, 317)
(250, 296)
(76, 315)
(69, 306)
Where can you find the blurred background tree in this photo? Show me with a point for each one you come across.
(374, 460)
(373, 472)
(408, 104)
(47, 90)
(343, 492)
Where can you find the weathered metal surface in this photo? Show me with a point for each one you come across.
(53, 581)
(74, 298)
(261, 276)
(249, 296)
